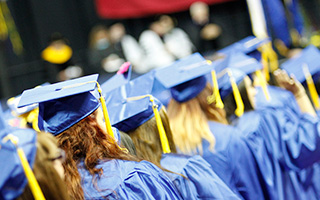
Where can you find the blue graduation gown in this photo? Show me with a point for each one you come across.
(232, 161)
(309, 178)
(123, 179)
(200, 182)
(273, 134)
(279, 98)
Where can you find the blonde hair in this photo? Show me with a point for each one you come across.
(147, 140)
(52, 186)
(189, 122)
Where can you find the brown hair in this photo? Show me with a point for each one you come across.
(230, 104)
(147, 140)
(189, 123)
(52, 186)
(87, 141)
(211, 111)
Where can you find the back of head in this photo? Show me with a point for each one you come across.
(199, 12)
(86, 141)
(230, 104)
(189, 125)
(211, 111)
(147, 140)
(52, 185)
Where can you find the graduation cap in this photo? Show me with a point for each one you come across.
(248, 65)
(256, 48)
(18, 149)
(303, 67)
(131, 105)
(246, 45)
(64, 104)
(186, 77)
(238, 66)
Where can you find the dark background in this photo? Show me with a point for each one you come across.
(36, 20)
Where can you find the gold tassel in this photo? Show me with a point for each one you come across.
(311, 87)
(237, 97)
(216, 94)
(105, 111)
(263, 84)
(163, 137)
(32, 181)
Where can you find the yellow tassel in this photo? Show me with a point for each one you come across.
(33, 118)
(162, 133)
(103, 104)
(105, 111)
(216, 94)
(269, 59)
(311, 87)
(264, 61)
(237, 97)
(163, 137)
(32, 181)
(263, 84)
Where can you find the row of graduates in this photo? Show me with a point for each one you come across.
(193, 132)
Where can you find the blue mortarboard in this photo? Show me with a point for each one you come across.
(12, 178)
(224, 80)
(126, 114)
(131, 105)
(63, 104)
(120, 78)
(246, 45)
(309, 56)
(240, 66)
(185, 77)
(239, 61)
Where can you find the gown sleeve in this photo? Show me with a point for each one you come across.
(233, 162)
(195, 178)
(128, 180)
(295, 139)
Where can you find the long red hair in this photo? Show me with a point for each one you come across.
(86, 141)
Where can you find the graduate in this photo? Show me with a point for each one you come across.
(273, 131)
(31, 165)
(136, 112)
(199, 126)
(305, 69)
(280, 98)
(96, 167)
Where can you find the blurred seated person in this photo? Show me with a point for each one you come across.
(58, 54)
(99, 43)
(201, 31)
(114, 47)
(163, 43)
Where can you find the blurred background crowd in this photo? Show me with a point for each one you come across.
(98, 36)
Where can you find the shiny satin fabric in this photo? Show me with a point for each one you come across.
(123, 179)
(232, 161)
(56, 116)
(200, 182)
(279, 98)
(309, 178)
(279, 138)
